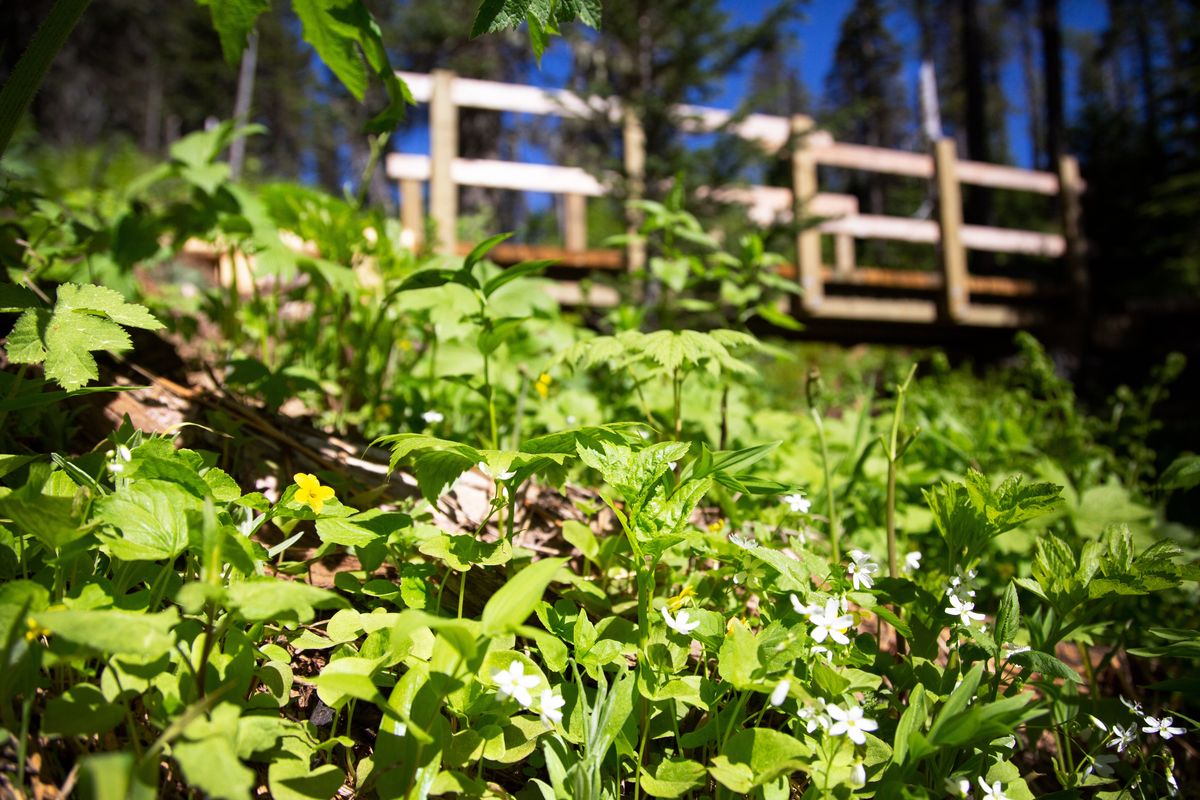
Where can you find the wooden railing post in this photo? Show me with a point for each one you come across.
(1070, 206)
(808, 237)
(412, 213)
(843, 254)
(575, 223)
(952, 253)
(635, 175)
(443, 149)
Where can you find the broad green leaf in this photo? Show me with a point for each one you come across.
(234, 20)
(513, 602)
(514, 272)
(327, 25)
(114, 775)
(100, 299)
(348, 678)
(581, 536)
(461, 551)
(47, 517)
(1048, 665)
(958, 701)
(69, 338)
(738, 661)
(212, 766)
(294, 779)
(274, 599)
(912, 721)
(1008, 618)
(112, 631)
(674, 777)
(24, 343)
(757, 756)
(81, 710)
(1183, 474)
(151, 518)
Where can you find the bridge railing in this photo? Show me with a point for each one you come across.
(958, 296)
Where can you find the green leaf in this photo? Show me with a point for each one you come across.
(294, 779)
(111, 631)
(499, 15)
(958, 701)
(514, 272)
(674, 778)
(326, 27)
(264, 599)
(757, 756)
(513, 602)
(738, 661)
(1183, 474)
(1008, 618)
(24, 343)
(1048, 665)
(49, 518)
(81, 710)
(151, 517)
(212, 766)
(348, 678)
(912, 721)
(233, 21)
(582, 538)
(114, 775)
(99, 299)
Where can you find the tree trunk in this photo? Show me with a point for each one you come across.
(1053, 69)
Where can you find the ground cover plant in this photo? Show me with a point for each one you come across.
(645, 554)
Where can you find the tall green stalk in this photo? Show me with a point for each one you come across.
(27, 76)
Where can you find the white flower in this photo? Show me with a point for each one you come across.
(815, 717)
(965, 611)
(514, 683)
(433, 417)
(1172, 784)
(798, 503)
(1121, 738)
(858, 775)
(960, 788)
(1162, 727)
(1101, 765)
(993, 792)
(781, 692)
(486, 470)
(851, 722)
(123, 453)
(679, 623)
(804, 608)
(671, 465)
(827, 623)
(912, 561)
(861, 569)
(820, 649)
(551, 708)
(1099, 723)
(739, 541)
(1135, 707)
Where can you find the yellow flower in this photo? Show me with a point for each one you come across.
(35, 631)
(406, 345)
(716, 526)
(677, 602)
(543, 385)
(311, 492)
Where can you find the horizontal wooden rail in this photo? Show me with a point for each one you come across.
(493, 174)
(923, 231)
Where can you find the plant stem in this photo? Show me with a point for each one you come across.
(835, 528)
(462, 590)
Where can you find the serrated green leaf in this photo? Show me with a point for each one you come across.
(151, 517)
(233, 21)
(88, 297)
(24, 344)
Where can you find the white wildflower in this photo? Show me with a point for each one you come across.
(780, 692)
(486, 470)
(798, 503)
(851, 722)
(1135, 707)
(433, 417)
(679, 623)
(828, 623)
(815, 717)
(1120, 738)
(514, 683)
(861, 570)
(804, 608)
(964, 610)
(993, 792)
(858, 775)
(1101, 765)
(551, 711)
(1162, 727)
(912, 561)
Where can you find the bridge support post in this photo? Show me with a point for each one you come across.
(412, 212)
(1070, 206)
(575, 222)
(443, 149)
(635, 177)
(808, 237)
(952, 254)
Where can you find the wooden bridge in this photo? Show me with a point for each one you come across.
(842, 290)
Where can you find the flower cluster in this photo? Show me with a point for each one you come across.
(116, 460)
(797, 503)
(514, 683)
(960, 595)
(861, 570)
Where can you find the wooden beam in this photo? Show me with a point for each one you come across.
(443, 149)
(843, 254)
(952, 253)
(1071, 209)
(412, 212)
(998, 176)
(808, 236)
(575, 223)
(874, 159)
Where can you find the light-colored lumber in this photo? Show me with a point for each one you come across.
(808, 236)
(634, 145)
(443, 150)
(575, 223)
(952, 252)
(999, 176)
(1071, 209)
(412, 212)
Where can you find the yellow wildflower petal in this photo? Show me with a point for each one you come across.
(306, 481)
(323, 493)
